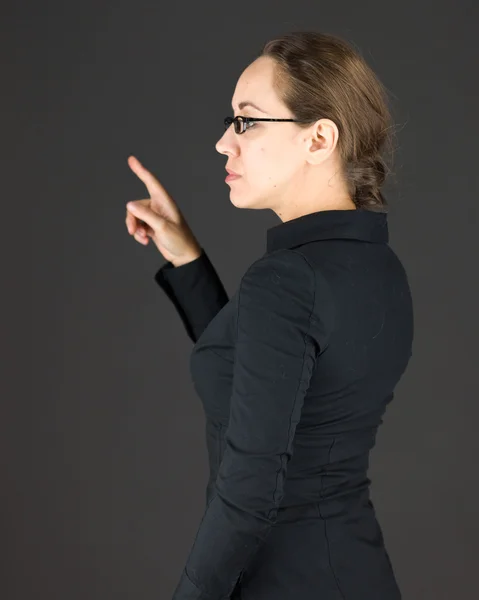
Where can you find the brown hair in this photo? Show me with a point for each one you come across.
(320, 75)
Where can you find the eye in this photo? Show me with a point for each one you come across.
(250, 124)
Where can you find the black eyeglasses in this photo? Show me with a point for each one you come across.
(241, 123)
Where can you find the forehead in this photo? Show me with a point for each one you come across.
(255, 86)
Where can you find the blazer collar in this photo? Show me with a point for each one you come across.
(360, 224)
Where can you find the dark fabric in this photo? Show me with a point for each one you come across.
(294, 373)
(195, 290)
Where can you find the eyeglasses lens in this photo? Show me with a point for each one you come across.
(238, 124)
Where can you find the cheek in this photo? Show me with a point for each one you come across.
(265, 164)
(278, 166)
(268, 163)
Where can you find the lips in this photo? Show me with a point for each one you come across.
(232, 172)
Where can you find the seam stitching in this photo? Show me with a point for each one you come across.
(318, 504)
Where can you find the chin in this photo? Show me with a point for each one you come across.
(245, 200)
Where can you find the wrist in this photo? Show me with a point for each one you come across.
(187, 258)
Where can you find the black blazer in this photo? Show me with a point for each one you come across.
(294, 373)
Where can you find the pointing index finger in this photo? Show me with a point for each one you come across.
(148, 178)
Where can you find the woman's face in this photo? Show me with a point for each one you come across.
(269, 156)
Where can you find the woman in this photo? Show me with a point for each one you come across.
(295, 370)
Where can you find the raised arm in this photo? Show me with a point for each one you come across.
(195, 290)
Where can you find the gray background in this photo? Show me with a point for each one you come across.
(102, 489)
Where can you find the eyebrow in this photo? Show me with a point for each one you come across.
(248, 103)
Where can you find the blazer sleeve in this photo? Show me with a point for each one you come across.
(195, 290)
(274, 359)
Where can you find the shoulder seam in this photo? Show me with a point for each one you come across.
(324, 280)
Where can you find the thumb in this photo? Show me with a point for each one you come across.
(144, 213)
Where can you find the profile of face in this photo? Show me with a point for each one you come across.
(281, 166)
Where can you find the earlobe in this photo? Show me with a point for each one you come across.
(316, 150)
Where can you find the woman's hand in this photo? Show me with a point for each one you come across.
(160, 219)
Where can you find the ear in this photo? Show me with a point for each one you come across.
(321, 139)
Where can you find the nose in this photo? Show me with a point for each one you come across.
(227, 144)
